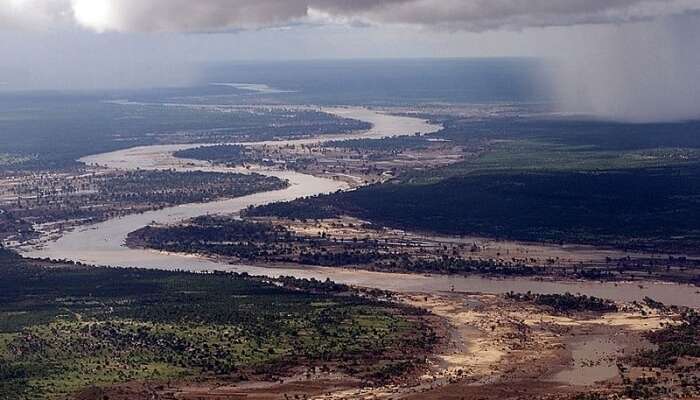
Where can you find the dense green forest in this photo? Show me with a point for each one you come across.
(646, 208)
(65, 327)
(222, 153)
(626, 185)
(395, 144)
(567, 302)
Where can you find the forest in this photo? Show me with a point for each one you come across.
(228, 154)
(566, 303)
(67, 327)
(651, 209)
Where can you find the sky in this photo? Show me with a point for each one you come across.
(625, 59)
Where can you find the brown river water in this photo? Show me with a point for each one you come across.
(103, 243)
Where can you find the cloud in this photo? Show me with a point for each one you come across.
(185, 15)
(479, 15)
(33, 14)
(218, 15)
(640, 72)
(643, 67)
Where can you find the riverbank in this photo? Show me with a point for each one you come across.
(458, 300)
(102, 244)
(78, 328)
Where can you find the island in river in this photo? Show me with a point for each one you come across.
(485, 335)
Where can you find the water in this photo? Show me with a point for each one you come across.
(253, 87)
(103, 243)
(594, 360)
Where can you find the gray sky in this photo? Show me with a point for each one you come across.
(630, 59)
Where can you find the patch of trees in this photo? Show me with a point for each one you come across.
(566, 303)
(392, 144)
(12, 228)
(223, 153)
(65, 327)
(674, 361)
(650, 209)
(308, 208)
(674, 342)
(96, 197)
(261, 241)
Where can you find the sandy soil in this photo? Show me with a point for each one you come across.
(492, 347)
(566, 255)
(500, 349)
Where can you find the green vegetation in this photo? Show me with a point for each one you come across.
(391, 144)
(674, 343)
(51, 130)
(572, 134)
(90, 197)
(672, 368)
(13, 228)
(649, 209)
(266, 242)
(222, 153)
(531, 156)
(566, 303)
(64, 328)
(631, 186)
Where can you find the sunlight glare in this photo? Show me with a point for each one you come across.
(94, 14)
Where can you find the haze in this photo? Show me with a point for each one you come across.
(632, 60)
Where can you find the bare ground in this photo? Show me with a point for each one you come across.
(493, 348)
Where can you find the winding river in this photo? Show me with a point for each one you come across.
(102, 243)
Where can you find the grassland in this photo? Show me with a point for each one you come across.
(65, 328)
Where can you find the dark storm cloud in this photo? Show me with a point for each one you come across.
(633, 71)
(213, 15)
(477, 15)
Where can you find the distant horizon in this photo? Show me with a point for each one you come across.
(8, 84)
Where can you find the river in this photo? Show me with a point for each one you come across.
(103, 243)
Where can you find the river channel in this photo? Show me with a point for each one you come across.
(103, 243)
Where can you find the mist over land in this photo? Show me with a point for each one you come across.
(631, 60)
(640, 72)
